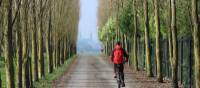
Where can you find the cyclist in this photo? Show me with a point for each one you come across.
(117, 58)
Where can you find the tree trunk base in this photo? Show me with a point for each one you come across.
(160, 80)
(174, 84)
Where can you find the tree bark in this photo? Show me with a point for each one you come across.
(30, 69)
(147, 48)
(9, 66)
(69, 49)
(54, 52)
(0, 3)
(40, 38)
(107, 48)
(61, 52)
(65, 48)
(135, 38)
(58, 54)
(0, 81)
(158, 57)
(19, 52)
(48, 45)
(19, 58)
(34, 45)
(25, 61)
(174, 45)
(196, 39)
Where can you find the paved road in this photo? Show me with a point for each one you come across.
(96, 72)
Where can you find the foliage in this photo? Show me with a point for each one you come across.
(126, 20)
(108, 31)
(184, 18)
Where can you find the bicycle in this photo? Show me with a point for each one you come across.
(119, 76)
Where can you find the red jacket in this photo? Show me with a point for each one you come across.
(118, 55)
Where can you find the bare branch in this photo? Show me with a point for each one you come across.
(0, 3)
(17, 12)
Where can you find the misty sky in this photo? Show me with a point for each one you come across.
(88, 23)
(88, 19)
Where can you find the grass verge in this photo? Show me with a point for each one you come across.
(48, 80)
(2, 72)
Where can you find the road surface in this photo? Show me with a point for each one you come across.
(95, 72)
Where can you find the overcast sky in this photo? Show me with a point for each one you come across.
(88, 19)
(88, 33)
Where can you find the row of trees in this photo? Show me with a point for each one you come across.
(33, 32)
(126, 20)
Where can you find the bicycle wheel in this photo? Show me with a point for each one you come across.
(119, 85)
(118, 80)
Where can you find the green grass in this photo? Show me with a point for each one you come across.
(43, 83)
(2, 72)
(47, 81)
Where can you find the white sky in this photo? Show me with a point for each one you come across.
(88, 23)
(88, 19)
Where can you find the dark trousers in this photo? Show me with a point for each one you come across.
(119, 67)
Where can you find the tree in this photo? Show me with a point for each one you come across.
(158, 58)
(170, 35)
(174, 61)
(196, 40)
(25, 47)
(8, 47)
(0, 81)
(147, 48)
(48, 40)
(19, 51)
(40, 40)
(34, 44)
(0, 3)
(135, 37)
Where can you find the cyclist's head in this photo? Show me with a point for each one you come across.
(118, 43)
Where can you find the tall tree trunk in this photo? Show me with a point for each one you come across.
(48, 45)
(0, 3)
(69, 50)
(170, 33)
(174, 44)
(19, 52)
(196, 39)
(158, 57)
(26, 78)
(135, 38)
(125, 43)
(61, 52)
(40, 38)
(147, 43)
(9, 66)
(65, 48)
(30, 70)
(34, 45)
(0, 81)
(107, 48)
(40, 52)
(19, 59)
(58, 54)
(26, 67)
(54, 52)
